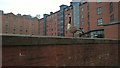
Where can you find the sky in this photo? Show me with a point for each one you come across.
(32, 7)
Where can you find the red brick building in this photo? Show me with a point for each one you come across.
(17, 24)
(101, 14)
(98, 20)
(84, 13)
(52, 24)
(102, 11)
(41, 22)
(95, 16)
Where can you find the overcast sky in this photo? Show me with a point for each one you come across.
(32, 7)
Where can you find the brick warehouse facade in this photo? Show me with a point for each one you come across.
(52, 22)
(17, 24)
(97, 20)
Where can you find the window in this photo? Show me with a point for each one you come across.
(99, 10)
(20, 26)
(82, 24)
(26, 30)
(112, 18)
(97, 34)
(20, 30)
(100, 21)
(51, 29)
(6, 25)
(82, 9)
(88, 7)
(14, 29)
(7, 28)
(100, 34)
(82, 16)
(111, 7)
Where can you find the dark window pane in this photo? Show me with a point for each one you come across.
(111, 7)
(99, 10)
(100, 21)
(112, 18)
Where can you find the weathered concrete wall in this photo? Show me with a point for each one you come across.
(56, 51)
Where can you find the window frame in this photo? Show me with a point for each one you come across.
(82, 16)
(111, 7)
(112, 18)
(82, 9)
(99, 10)
(100, 20)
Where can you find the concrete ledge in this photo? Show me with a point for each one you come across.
(112, 23)
(39, 40)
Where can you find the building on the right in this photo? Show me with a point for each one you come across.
(99, 19)
(100, 14)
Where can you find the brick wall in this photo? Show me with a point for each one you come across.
(58, 51)
(52, 24)
(41, 27)
(112, 31)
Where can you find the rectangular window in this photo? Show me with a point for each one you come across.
(99, 10)
(20, 30)
(51, 29)
(88, 16)
(100, 22)
(82, 9)
(7, 28)
(99, 34)
(111, 7)
(82, 24)
(26, 30)
(82, 16)
(14, 30)
(112, 18)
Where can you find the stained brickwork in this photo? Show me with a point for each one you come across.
(75, 52)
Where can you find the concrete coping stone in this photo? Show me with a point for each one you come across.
(52, 40)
